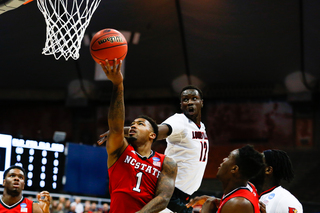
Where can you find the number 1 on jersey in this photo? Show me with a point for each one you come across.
(137, 187)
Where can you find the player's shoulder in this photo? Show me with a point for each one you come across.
(176, 121)
(169, 162)
(283, 192)
(176, 116)
(236, 204)
(285, 198)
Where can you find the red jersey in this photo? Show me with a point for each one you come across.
(249, 192)
(23, 206)
(133, 180)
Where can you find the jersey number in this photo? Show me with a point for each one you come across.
(203, 153)
(137, 187)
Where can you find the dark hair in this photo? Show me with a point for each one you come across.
(250, 161)
(281, 164)
(13, 167)
(153, 124)
(192, 87)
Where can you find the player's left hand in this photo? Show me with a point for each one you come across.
(44, 199)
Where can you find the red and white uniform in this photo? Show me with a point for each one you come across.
(249, 192)
(133, 180)
(23, 206)
(279, 200)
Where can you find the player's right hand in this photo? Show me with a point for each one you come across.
(113, 73)
(44, 199)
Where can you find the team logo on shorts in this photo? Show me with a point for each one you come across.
(156, 161)
(292, 210)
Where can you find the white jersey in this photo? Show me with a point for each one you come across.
(280, 200)
(188, 145)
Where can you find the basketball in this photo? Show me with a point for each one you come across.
(108, 44)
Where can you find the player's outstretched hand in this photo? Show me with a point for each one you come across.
(113, 73)
(44, 199)
(211, 205)
(103, 138)
(199, 200)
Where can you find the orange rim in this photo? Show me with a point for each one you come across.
(28, 1)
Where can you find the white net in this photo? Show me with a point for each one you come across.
(66, 22)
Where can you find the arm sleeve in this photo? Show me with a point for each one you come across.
(169, 126)
(174, 123)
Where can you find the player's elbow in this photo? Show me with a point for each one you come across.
(164, 201)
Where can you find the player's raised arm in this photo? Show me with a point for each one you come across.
(116, 142)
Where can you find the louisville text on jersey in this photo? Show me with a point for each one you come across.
(199, 135)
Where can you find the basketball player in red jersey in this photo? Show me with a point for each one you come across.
(239, 195)
(12, 200)
(140, 180)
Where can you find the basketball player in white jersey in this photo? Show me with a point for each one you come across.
(273, 197)
(187, 144)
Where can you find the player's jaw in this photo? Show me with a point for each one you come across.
(15, 188)
(132, 135)
(191, 111)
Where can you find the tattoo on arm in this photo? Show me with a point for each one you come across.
(165, 187)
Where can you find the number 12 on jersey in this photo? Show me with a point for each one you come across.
(203, 152)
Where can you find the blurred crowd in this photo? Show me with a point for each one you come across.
(63, 205)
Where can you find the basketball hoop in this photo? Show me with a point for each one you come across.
(67, 21)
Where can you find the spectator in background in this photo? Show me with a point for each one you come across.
(72, 208)
(105, 208)
(79, 208)
(62, 200)
(59, 208)
(54, 206)
(67, 206)
(87, 207)
(31, 198)
(94, 208)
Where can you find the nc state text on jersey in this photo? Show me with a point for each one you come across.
(143, 167)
